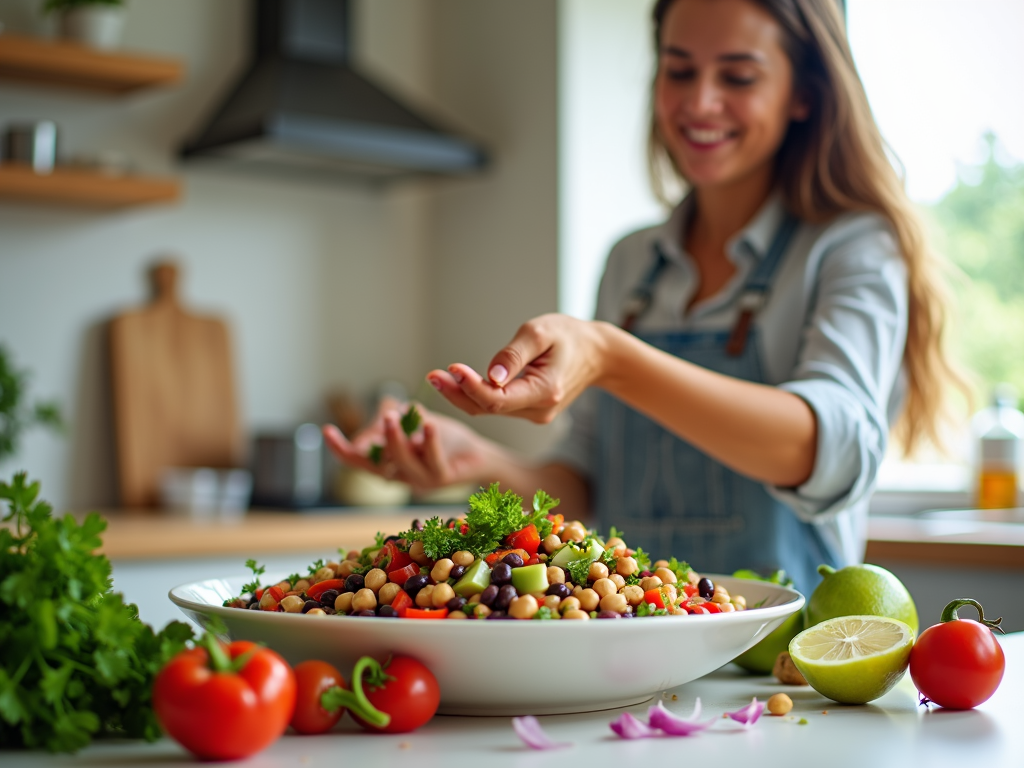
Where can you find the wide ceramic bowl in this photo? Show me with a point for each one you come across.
(515, 667)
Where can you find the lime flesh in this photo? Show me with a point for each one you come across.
(853, 659)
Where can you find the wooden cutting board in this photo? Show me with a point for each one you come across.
(173, 392)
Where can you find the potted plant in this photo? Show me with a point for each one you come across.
(95, 23)
(16, 415)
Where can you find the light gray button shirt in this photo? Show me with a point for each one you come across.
(832, 332)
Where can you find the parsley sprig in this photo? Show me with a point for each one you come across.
(76, 660)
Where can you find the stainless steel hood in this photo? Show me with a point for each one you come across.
(301, 109)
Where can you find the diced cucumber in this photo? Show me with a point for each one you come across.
(571, 552)
(474, 580)
(530, 578)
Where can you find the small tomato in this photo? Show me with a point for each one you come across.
(312, 678)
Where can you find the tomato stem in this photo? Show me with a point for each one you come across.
(219, 659)
(949, 613)
(355, 700)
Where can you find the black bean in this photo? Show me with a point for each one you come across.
(497, 615)
(501, 573)
(329, 597)
(367, 612)
(513, 560)
(415, 583)
(505, 596)
(706, 588)
(392, 538)
(456, 603)
(254, 606)
(489, 594)
(354, 583)
(559, 590)
(457, 571)
(387, 612)
(329, 610)
(309, 605)
(608, 615)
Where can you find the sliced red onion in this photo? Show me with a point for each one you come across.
(674, 725)
(749, 714)
(628, 727)
(528, 729)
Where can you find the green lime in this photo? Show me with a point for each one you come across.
(761, 657)
(860, 590)
(853, 659)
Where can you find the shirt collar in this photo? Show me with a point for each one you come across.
(755, 237)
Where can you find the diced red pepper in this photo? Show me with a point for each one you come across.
(391, 558)
(259, 592)
(316, 590)
(526, 538)
(402, 602)
(533, 560)
(277, 593)
(401, 575)
(557, 523)
(425, 613)
(697, 609)
(654, 596)
(711, 607)
(690, 590)
(494, 557)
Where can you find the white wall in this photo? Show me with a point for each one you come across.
(323, 286)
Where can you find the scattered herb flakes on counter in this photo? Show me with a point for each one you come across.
(498, 561)
(75, 660)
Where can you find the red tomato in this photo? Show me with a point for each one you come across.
(425, 613)
(312, 678)
(402, 603)
(320, 587)
(527, 538)
(958, 663)
(391, 558)
(225, 703)
(654, 596)
(401, 575)
(405, 690)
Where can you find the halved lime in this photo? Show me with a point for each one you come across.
(853, 659)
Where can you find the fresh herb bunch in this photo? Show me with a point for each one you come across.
(15, 415)
(75, 660)
(492, 516)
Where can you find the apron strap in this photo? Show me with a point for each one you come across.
(640, 300)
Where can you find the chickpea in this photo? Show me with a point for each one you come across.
(481, 611)
(589, 599)
(551, 543)
(552, 602)
(568, 604)
(660, 564)
(267, 602)
(727, 607)
(539, 595)
(669, 594)
(292, 604)
(464, 558)
(375, 579)
(425, 597)
(442, 570)
(779, 704)
(693, 577)
(334, 565)
(523, 607)
(634, 595)
(417, 554)
(598, 570)
(620, 551)
(614, 602)
(614, 542)
(474, 599)
(284, 586)
(650, 582)
(555, 575)
(316, 612)
(388, 593)
(343, 602)
(573, 532)
(457, 615)
(346, 568)
(721, 599)
(322, 574)
(576, 614)
(542, 557)
(442, 593)
(739, 601)
(302, 585)
(576, 590)
(617, 580)
(364, 600)
(666, 575)
(626, 566)
(352, 554)
(604, 587)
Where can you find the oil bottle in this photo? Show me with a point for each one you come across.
(999, 431)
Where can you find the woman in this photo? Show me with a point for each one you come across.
(734, 396)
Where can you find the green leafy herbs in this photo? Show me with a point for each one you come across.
(316, 565)
(681, 569)
(650, 609)
(257, 571)
(409, 422)
(543, 614)
(777, 577)
(15, 414)
(492, 516)
(579, 570)
(76, 660)
(643, 561)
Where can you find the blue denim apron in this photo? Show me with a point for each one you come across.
(670, 498)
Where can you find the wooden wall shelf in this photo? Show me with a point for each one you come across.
(60, 63)
(87, 189)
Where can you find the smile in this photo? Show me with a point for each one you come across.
(706, 135)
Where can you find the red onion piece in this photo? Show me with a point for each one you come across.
(628, 727)
(674, 725)
(528, 729)
(749, 714)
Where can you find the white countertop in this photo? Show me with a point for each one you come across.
(892, 731)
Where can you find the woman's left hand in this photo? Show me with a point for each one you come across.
(551, 360)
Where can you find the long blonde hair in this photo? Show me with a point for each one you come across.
(835, 162)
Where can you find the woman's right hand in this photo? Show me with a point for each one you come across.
(443, 452)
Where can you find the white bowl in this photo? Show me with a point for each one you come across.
(515, 667)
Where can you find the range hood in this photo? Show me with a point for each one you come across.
(302, 109)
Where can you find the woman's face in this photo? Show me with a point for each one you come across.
(723, 95)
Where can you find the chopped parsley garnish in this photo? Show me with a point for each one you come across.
(650, 609)
(680, 569)
(543, 614)
(257, 571)
(579, 570)
(316, 565)
(643, 561)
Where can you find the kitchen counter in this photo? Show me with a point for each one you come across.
(892, 731)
